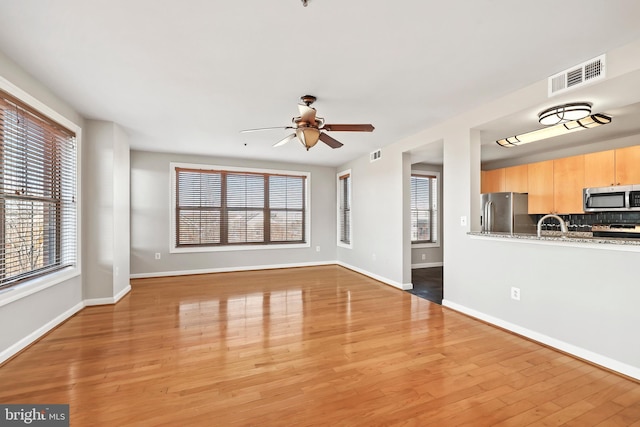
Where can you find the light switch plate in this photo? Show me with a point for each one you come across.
(463, 221)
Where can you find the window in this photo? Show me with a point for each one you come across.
(37, 193)
(216, 207)
(424, 208)
(344, 209)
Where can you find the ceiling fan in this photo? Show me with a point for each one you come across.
(309, 128)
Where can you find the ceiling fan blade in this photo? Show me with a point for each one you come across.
(307, 114)
(261, 129)
(331, 142)
(285, 140)
(349, 128)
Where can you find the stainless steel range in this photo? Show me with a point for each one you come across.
(616, 230)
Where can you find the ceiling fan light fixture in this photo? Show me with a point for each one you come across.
(564, 113)
(308, 136)
(588, 122)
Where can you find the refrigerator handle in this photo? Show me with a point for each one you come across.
(485, 217)
(489, 220)
(483, 220)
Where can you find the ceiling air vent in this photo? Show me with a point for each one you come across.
(375, 155)
(580, 75)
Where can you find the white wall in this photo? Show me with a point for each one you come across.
(150, 220)
(34, 308)
(106, 207)
(377, 219)
(582, 300)
(121, 212)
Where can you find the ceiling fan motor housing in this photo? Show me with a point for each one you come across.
(308, 99)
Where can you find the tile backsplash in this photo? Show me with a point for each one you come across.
(583, 222)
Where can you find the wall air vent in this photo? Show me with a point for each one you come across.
(375, 155)
(580, 75)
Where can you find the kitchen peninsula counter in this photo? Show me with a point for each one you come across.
(578, 239)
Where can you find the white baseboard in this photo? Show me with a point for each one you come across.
(403, 286)
(395, 284)
(598, 359)
(35, 335)
(228, 269)
(427, 265)
(109, 300)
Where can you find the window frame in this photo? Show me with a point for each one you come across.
(47, 279)
(174, 248)
(436, 244)
(339, 214)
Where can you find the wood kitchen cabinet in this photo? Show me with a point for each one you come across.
(555, 186)
(568, 182)
(516, 179)
(612, 167)
(600, 169)
(540, 187)
(492, 181)
(628, 165)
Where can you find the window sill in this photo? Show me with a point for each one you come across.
(38, 284)
(345, 245)
(425, 245)
(197, 249)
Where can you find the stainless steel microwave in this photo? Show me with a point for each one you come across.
(615, 198)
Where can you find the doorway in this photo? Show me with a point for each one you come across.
(425, 214)
(427, 283)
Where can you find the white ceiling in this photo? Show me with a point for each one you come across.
(187, 76)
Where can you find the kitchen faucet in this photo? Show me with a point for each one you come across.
(563, 225)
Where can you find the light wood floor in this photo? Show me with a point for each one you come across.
(301, 347)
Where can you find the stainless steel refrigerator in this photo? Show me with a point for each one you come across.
(506, 213)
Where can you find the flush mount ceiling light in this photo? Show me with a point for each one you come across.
(564, 113)
(588, 122)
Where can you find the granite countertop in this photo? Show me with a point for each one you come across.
(556, 236)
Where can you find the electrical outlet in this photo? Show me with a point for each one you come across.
(157, 255)
(317, 248)
(424, 256)
(515, 294)
(373, 256)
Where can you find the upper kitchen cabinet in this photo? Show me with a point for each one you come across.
(600, 169)
(628, 165)
(540, 187)
(612, 167)
(568, 182)
(516, 179)
(492, 181)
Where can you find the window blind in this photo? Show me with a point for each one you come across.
(424, 209)
(218, 207)
(37, 193)
(344, 209)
